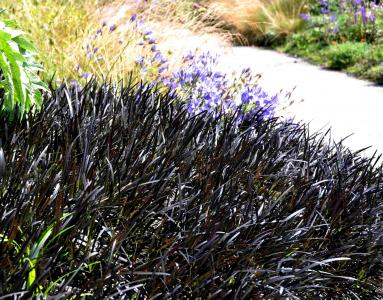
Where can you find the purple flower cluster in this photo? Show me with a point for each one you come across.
(360, 11)
(324, 6)
(205, 88)
(197, 81)
(363, 11)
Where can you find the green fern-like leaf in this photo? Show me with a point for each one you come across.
(19, 81)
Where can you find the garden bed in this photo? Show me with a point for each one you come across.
(339, 35)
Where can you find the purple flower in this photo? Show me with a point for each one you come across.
(157, 56)
(140, 60)
(324, 7)
(86, 75)
(112, 28)
(357, 2)
(75, 84)
(245, 98)
(188, 57)
(305, 17)
(162, 69)
(324, 3)
(324, 10)
(371, 17)
(139, 23)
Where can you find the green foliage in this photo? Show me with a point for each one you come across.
(339, 36)
(31, 254)
(370, 66)
(20, 86)
(363, 60)
(341, 56)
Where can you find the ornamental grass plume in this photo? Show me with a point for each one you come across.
(260, 21)
(63, 29)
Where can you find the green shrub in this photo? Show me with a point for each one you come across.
(375, 73)
(20, 85)
(367, 71)
(341, 56)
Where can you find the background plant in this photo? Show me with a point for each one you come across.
(344, 35)
(347, 20)
(20, 86)
(343, 55)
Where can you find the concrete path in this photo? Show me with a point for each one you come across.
(331, 99)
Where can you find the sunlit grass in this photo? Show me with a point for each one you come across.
(57, 28)
(65, 32)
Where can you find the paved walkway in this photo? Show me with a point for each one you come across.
(331, 99)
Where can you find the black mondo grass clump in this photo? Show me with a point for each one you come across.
(113, 193)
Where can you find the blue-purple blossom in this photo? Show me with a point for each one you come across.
(140, 60)
(157, 57)
(208, 89)
(324, 3)
(305, 17)
(371, 17)
(86, 75)
(357, 2)
(76, 86)
(324, 10)
(162, 69)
